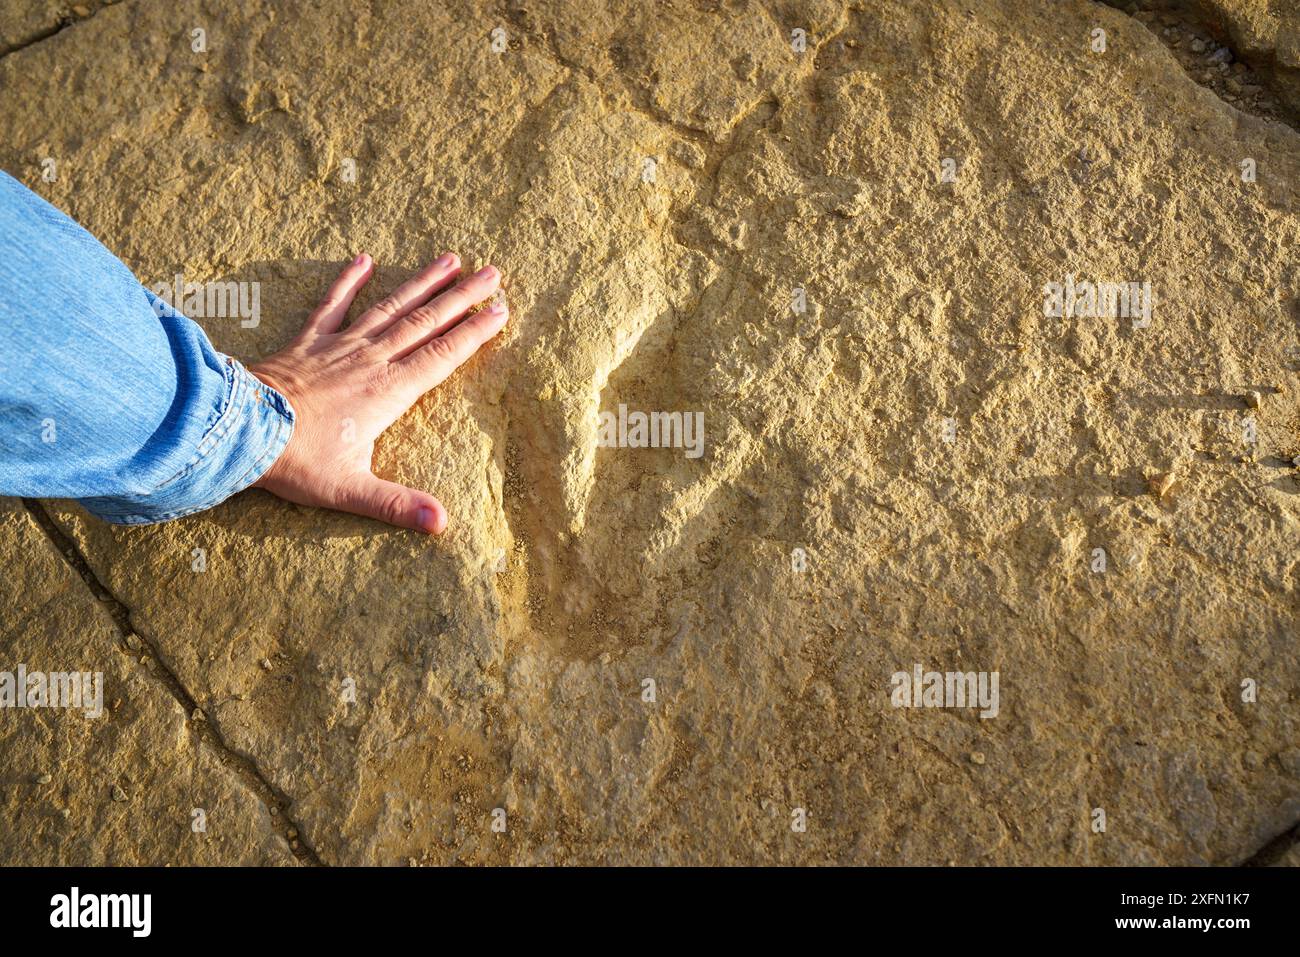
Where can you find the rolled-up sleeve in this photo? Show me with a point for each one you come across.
(108, 395)
(252, 428)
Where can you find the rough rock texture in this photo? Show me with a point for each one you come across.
(24, 22)
(121, 787)
(661, 186)
(1247, 52)
(1266, 33)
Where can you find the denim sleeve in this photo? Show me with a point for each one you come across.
(107, 394)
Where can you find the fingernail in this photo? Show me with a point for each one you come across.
(444, 260)
(497, 309)
(361, 257)
(424, 518)
(487, 272)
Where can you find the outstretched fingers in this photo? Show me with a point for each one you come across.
(412, 294)
(440, 357)
(333, 309)
(439, 314)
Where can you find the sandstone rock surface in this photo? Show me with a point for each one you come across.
(644, 657)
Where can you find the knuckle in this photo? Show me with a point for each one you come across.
(392, 507)
(379, 381)
(442, 349)
(387, 307)
(425, 316)
(362, 358)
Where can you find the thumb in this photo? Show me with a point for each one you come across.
(365, 494)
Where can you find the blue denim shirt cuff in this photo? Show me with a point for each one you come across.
(247, 437)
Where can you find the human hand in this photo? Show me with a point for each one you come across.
(347, 386)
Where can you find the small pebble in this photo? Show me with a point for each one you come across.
(81, 11)
(293, 833)
(1253, 399)
(1161, 484)
(45, 779)
(118, 793)
(977, 757)
(266, 664)
(1198, 45)
(198, 715)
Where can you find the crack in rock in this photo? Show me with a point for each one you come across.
(1238, 79)
(76, 14)
(239, 764)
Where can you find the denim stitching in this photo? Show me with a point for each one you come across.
(231, 375)
(233, 415)
(138, 519)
